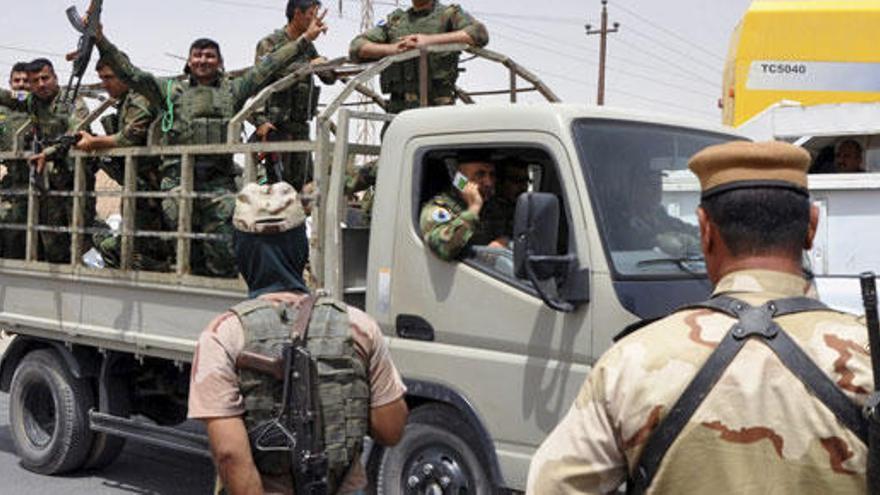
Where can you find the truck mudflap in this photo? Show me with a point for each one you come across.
(419, 392)
(77, 359)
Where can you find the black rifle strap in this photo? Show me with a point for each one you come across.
(751, 322)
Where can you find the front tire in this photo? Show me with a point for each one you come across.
(48, 414)
(434, 457)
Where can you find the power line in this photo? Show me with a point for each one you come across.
(34, 51)
(668, 32)
(682, 69)
(685, 55)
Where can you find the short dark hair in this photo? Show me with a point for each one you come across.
(201, 44)
(39, 64)
(102, 64)
(300, 5)
(761, 221)
(19, 67)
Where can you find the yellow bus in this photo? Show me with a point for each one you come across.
(809, 52)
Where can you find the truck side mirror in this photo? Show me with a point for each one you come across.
(536, 236)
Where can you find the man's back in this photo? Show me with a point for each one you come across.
(758, 431)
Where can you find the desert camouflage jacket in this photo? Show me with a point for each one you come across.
(759, 431)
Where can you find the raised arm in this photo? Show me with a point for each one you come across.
(138, 80)
(270, 66)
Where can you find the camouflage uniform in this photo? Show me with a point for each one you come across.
(200, 116)
(50, 121)
(129, 127)
(448, 228)
(13, 209)
(401, 81)
(291, 111)
(759, 430)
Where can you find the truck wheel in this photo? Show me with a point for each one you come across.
(106, 448)
(48, 414)
(434, 457)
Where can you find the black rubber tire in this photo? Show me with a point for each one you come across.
(106, 448)
(48, 414)
(433, 431)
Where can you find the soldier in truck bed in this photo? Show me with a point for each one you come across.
(427, 22)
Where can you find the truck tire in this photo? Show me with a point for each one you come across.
(106, 448)
(48, 414)
(435, 456)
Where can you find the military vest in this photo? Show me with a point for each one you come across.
(342, 383)
(299, 103)
(403, 77)
(201, 113)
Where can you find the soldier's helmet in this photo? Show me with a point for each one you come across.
(268, 209)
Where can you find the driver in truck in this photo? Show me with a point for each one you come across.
(450, 221)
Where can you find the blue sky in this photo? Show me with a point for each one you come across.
(668, 56)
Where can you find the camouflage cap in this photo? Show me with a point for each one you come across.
(268, 209)
(742, 165)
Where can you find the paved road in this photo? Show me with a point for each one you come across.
(140, 469)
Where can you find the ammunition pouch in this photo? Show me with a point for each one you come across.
(110, 123)
(403, 77)
(209, 130)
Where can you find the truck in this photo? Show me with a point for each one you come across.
(493, 346)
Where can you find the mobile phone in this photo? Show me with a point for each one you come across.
(460, 181)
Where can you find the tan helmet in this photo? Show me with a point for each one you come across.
(268, 209)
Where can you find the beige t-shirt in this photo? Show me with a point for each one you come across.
(214, 390)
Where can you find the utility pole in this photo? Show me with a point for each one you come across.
(367, 131)
(603, 33)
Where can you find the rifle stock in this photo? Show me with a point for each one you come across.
(273, 367)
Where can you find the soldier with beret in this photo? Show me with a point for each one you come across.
(758, 390)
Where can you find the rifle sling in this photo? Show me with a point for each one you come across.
(304, 314)
(752, 322)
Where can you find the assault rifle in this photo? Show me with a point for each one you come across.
(297, 428)
(83, 53)
(872, 406)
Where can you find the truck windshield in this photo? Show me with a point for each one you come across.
(644, 196)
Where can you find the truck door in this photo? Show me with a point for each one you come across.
(470, 325)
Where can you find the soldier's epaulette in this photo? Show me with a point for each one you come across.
(396, 16)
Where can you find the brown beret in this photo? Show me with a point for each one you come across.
(267, 209)
(742, 164)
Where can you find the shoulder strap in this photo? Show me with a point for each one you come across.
(256, 313)
(752, 322)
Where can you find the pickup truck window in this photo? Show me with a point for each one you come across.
(633, 171)
(517, 169)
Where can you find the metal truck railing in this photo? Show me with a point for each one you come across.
(331, 147)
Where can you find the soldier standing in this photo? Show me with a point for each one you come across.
(427, 22)
(360, 389)
(450, 221)
(128, 127)
(287, 114)
(197, 110)
(14, 207)
(51, 118)
(758, 390)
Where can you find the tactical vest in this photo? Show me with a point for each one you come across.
(342, 385)
(299, 103)
(752, 323)
(402, 78)
(202, 113)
